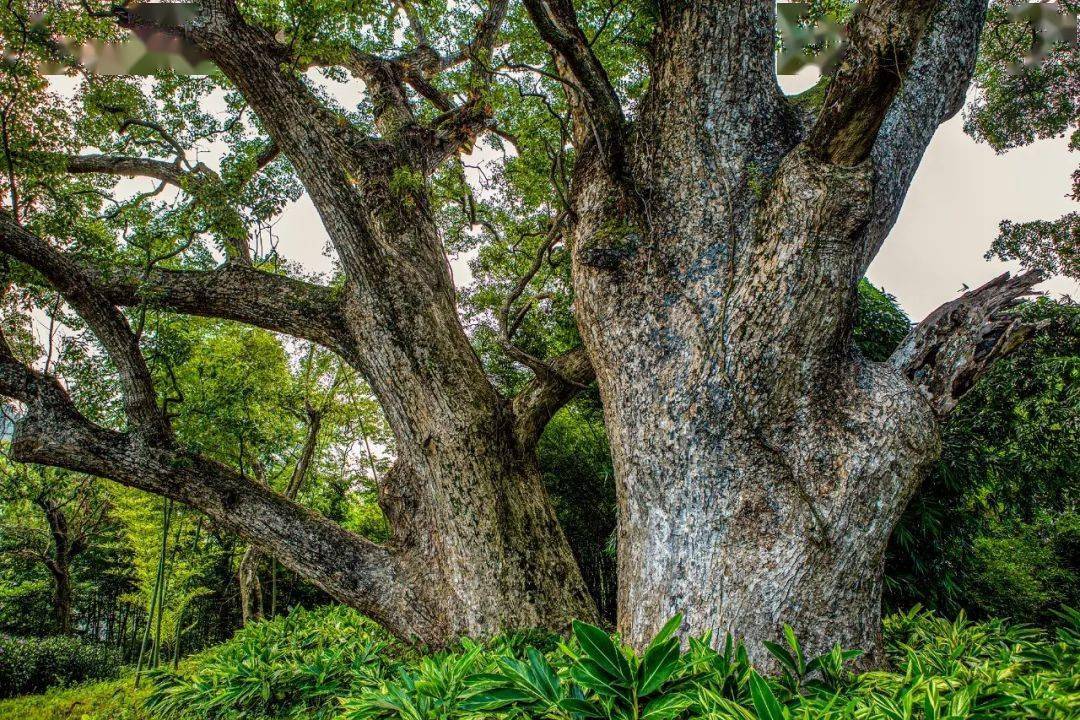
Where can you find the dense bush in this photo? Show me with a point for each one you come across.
(296, 665)
(30, 665)
(333, 664)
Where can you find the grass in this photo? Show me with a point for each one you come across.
(110, 700)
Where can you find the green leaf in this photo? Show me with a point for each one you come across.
(765, 702)
(581, 708)
(591, 676)
(793, 642)
(669, 629)
(665, 707)
(659, 663)
(497, 699)
(598, 645)
(783, 657)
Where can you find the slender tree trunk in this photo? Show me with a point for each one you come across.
(251, 598)
(59, 563)
(61, 597)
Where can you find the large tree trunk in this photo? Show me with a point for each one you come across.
(475, 546)
(472, 531)
(761, 462)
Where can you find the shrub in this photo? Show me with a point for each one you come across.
(343, 667)
(29, 665)
(941, 670)
(292, 666)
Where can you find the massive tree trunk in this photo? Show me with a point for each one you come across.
(761, 462)
(718, 239)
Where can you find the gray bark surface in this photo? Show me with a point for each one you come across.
(761, 462)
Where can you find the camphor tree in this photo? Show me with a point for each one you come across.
(716, 232)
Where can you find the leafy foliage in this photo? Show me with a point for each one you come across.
(576, 463)
(291, 666)
(880, 323)
(331, 663)
(1017, 104)
(30, 665)
(994, 530)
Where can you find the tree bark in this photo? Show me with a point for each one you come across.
(62, 600)
(761, 462)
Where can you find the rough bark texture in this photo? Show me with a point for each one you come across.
(761, 462)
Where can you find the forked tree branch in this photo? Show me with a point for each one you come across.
(200, 182)
(946, 354)
(932, 92)
(232, 292)
(883, 39)
(107, 323)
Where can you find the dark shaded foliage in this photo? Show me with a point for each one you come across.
(29, 665)
(995, 529)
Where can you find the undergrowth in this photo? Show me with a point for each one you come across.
(332, 663)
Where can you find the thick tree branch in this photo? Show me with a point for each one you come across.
(170, 172)
(541, 398)
(883, 40)
(947, 353)
(273, 302)
(933, 91)
(556, 20)
(235, 292)
(107, 323)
